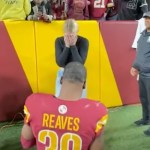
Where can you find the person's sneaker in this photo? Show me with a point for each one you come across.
(142, 122)
(147, 132)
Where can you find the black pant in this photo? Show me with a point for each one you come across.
(144, 93)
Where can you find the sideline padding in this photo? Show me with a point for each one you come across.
(118, 38)
(14, 86)
(47, 68)
(110, 95)
(27, 57)
(22, 35)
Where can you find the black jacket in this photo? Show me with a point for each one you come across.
(142, 61)
(77, 53)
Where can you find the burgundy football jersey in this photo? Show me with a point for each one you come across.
(78, 9)
(98, 8)
(64, 125)
(58, 9)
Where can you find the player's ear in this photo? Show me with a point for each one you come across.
(84, 85)
(61, 80)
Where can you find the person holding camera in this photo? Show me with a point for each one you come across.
(40, 10)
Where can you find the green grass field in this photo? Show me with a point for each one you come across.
(120, 133)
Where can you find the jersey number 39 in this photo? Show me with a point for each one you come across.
(64, 140)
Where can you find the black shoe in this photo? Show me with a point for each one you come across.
(142, 122)
(147, 132)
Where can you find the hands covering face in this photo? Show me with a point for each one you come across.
(70, 39)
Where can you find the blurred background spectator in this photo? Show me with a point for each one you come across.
(97, 8)
(148, 2)
(59, 9)
(132, 9)
(40, 10)
(78, 9)
(112, 12)
(14, 9)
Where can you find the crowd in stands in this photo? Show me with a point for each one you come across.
(48, 10)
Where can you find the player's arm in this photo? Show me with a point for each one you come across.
(27, 137)
(80, 54)
(61, 53)
(97, 143)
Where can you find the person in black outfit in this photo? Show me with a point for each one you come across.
(148, 2)
(70, 48)
(141, 67)
(132, 9)
(112, 12)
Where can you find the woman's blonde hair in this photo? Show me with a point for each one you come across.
(70, 25)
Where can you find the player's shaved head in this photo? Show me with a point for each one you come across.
(75, 72)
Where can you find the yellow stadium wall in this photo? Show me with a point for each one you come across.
(45, 49)
(97, 61)
(34, 47)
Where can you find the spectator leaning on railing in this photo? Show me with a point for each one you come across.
(59, 9)
(40, 10)
(78, 9)
(132, 10)
(97, 8)
(14, 9)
